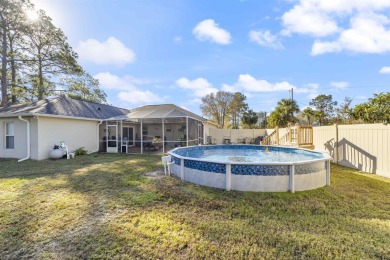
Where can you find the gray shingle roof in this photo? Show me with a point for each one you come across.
(64, 106)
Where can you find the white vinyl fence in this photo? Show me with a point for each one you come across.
(364, 147)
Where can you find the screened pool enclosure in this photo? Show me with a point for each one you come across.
(151, 129)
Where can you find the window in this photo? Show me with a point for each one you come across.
(144, 130)
(9, 135)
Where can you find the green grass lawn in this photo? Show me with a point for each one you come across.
(106, 206)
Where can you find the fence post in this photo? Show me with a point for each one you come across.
(292, 178)
(327, 166)
(298, 135)
(228, 176)
(277, 135)
(182, 169)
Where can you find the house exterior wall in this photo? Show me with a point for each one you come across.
(75, 133)
(20, 137)
(34, 141)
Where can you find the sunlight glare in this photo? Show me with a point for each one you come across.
(32, 15)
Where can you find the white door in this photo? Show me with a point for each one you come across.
(112, 138)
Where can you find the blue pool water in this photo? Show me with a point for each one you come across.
(247, 153)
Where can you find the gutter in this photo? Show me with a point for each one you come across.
(97, 137)
(28, 140)
(48, 115)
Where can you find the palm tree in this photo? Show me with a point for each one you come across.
(308, 114)
(284, 113)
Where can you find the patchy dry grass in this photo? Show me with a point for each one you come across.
(108, 206)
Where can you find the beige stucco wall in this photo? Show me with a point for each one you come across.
(218, 135)
(207, 128)
(20, 137)
(75, 133)
(34, 138)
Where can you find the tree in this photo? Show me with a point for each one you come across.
(376, 110)
(216, 106)
(237, 108)
(50, 56)
(261, 119)
(344, 111)
(84, 87)
(283, 114)
(36, 59)
(308, 114)
(12, 24)
(249, 119)
(324, 108)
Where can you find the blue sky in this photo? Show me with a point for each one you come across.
(150, 52)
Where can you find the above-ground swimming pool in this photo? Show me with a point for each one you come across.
(252, 167)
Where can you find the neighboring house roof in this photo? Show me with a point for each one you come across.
(158, 111)
(64, 107)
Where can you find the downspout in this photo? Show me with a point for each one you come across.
(97, 137)
(28, 140)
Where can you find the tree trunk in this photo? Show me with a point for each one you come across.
(13, 77)
(40, 81)
(4, 96)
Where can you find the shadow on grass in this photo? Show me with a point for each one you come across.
(45, 206)
(105, 207)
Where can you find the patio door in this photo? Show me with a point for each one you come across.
(128, 135)
(112, 138)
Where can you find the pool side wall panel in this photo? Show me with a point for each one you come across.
(260, 183)
(310, 181)
(175, 170)
(210, 179)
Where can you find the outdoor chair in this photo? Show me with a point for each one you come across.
(166, 160)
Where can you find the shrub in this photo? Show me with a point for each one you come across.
(80, 151)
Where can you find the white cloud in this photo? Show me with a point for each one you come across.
(311, 89)
(319, 17)
(324, 47)
(367, 31)
(306, 19)
(139, 97)
(200, 86)
(208, 30)
(249, 84)
(367, 34)
(339, 84)
(129, 89)
(111, 81)
(111, 52)
(265, 38)
(385, 70)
